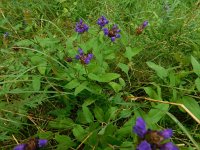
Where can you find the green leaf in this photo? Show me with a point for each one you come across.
(125, 113)
(122, 82)
(88, 102)
(130, 52)
(197, 83)
(195, 65)
(117, 87)
(99, 114)
(155, 114)
(40, 62)
(36, 83)
(123, 67)
(88, 115)
(192, 105)
(64, 142)
(24, 43)
(107, 77)
(72, 84)
(80, 88)
(160, 71)
(79, 132)
(61, 123)
(45, 135)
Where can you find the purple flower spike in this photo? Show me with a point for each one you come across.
(20, 147)
(77, 57)
(113, 39)
(80, 51)
(112, 33)
(90, 56)
(167, 133)
(42, 142)
(81, 27)
(144, 145)
(140, 127)
(145, 23)
(102, 21)
(169, 146)
(106, 31)
(87, 60)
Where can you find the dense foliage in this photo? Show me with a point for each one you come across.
(80, 73)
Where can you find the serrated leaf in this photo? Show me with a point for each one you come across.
(197, 83)
(36, 83)
(107, 77)
(130, 52)
(72, 84)
(160, 71)
(78, 132)
(117, 87)
(88, 115)
(195, 65)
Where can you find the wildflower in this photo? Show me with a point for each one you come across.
(84, 58)
(32, 144)
(152, 139)
(102, 21)
(112, 33)
(81, 27)
(140, 29)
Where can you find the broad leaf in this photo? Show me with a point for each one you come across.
(130, 52)
(88, 115)
(160, 71)
(195, 65)
(192, 105)
(107, 77)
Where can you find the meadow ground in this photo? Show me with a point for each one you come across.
(83, 84)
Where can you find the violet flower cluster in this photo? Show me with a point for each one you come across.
(32, 144)
(112, 33)
(152, 139)
(102, 21)
(84, 58)
(81, 27)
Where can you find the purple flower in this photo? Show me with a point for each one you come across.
(112, 33)
(140, 127)
(102, 21)
(145, 23)
(166, 134)
(81, 27)
(80, 51)
(42, 142)
(34, 143)
(144, 145)
(152, 139)
(168, 146)
(84, 58)
(20, 147)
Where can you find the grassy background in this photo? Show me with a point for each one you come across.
(172, 36)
